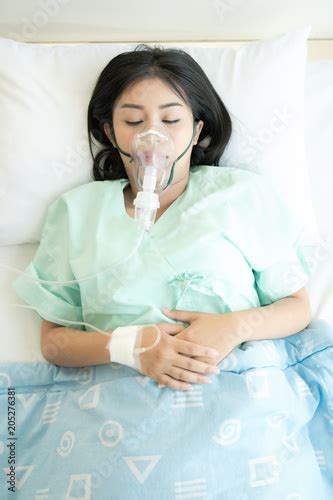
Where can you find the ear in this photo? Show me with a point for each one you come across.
(107, 131)
(198, 129)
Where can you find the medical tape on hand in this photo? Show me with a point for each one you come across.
(123, 341)
(123, 345)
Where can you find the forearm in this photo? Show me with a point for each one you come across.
(284, 317)
(69, 347)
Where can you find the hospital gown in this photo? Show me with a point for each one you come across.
(227, 243)
(260, 431)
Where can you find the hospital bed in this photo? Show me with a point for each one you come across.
(318, 139)
(20, 328)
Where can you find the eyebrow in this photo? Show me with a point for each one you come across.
(137, 106)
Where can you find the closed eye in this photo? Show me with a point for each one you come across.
(166, 121)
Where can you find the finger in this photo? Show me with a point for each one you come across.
(168, 381)
(192, 349)
(187, 316)
(173, 328)
(208, 359)
(188, 376)
(195, 365)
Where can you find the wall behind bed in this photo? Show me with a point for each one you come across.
(194, 22)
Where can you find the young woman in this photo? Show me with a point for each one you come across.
(222, 251)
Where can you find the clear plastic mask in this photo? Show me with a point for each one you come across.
(154, 150)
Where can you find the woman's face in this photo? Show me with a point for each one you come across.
(151, 102)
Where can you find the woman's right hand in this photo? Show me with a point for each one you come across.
(170, 362)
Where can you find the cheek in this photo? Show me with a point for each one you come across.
(124, 137)
(181, 142)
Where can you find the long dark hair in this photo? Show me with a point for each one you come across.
(184, 76)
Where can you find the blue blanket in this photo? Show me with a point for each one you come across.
(262, 430)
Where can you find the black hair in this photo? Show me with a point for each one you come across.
(184, 76)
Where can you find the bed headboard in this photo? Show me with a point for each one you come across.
(226, 23)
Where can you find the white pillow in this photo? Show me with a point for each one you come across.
(263, 86)
(44, 93)
(318, 140)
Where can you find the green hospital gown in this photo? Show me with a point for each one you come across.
(227, 243)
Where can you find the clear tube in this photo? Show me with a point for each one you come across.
(142, 233)
(137, 350)
(139, 241)
(152, 150)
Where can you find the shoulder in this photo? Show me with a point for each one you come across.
(73, 208)
(235, 178)
(76, 210)
(91, 189)
(225, 172)
(85, 195)
(249, 193)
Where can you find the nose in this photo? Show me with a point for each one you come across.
(153, 120)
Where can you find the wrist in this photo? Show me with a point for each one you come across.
(230, 330)
(122, 343)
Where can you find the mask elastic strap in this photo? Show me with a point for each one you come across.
(195, 124)
(126, 154)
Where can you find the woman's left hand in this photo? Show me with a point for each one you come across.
(212, 330)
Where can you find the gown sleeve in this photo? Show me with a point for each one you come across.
(51, 262)
(269, 235)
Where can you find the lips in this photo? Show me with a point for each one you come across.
(148, 157)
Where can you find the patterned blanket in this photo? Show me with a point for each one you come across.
(262, 430)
